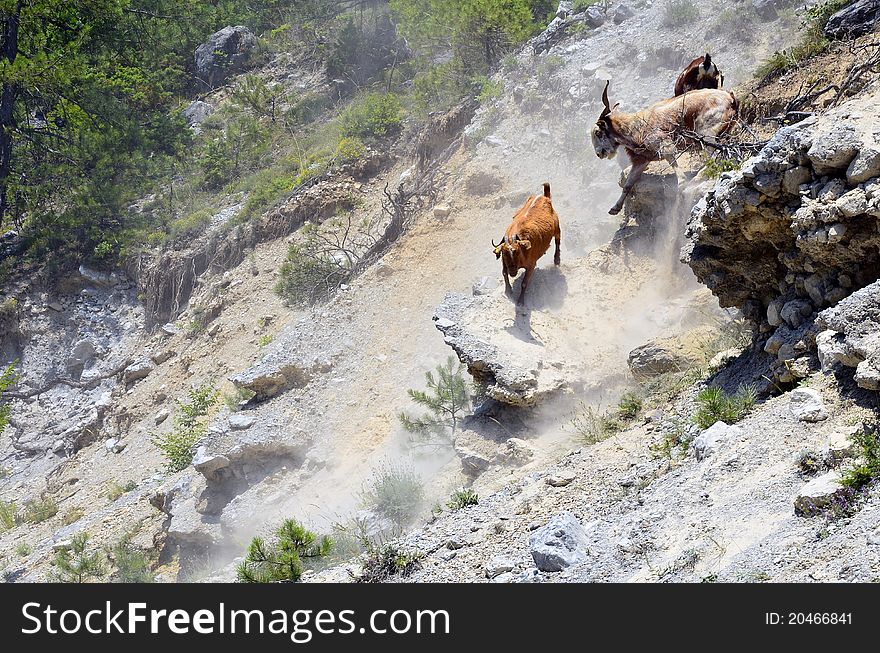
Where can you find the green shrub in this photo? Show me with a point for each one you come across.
(395, 492)
(867, 466)
(115, 490)
(190, 224)
(350, 149)
(282, 560)
(680, 12)
(8, 515)
(388, 562)
(72, 516)
(372, 116)
(189, 428)
(593, 426)
(23, 549)
(8, 378)
(714, 405)
(269, 187)
(629, 406)
(40, 510)
(462, 499)
(132, 564)
(447, 399)
(714, 166)
(74, 565)
(307, 277)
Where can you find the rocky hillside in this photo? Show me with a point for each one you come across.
(305, 416)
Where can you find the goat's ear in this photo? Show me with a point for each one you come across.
(524, 244)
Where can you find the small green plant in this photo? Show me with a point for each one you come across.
(593, 426)
(306, 276)
(462, 499)
(40, 510)
(75, 565)
(866, 469)
(489, 90)
(350, 149)
(715, 405)
(132, 564)
(7, 379)
(388, 562)
(372, 117)
(715, 166)
(395, 492)
(189, 428)
(679, 12)
(8, 516)
(234, 400)
(446, 399)
(264, 340)
(23, 549)
(629, 406)
(282, 560)
(72, 516)
(115, 490)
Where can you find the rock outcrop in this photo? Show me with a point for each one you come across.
(850, 335)
(223, 54)
(795, 229)
(854, 20)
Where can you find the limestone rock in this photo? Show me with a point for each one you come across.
(818, 494)
(560, 543)
(806, 405)
(223, 54)
(714, 438)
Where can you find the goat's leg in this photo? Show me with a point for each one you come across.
(525, 283)
(557, 256)
(508, 290)
(632, 179)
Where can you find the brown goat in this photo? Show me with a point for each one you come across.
(661, 130)
(527, 239)
(699, 73)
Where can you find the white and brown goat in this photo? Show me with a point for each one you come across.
(662, 130)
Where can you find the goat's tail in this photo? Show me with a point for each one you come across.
(547, 189)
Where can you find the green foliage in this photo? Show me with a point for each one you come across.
(812, 43)
(23, 549)
(389, 562)
(489, 90)
(462, 499)
(189, 428)
(237, 148)
(8, 516)
(39, 510)
(629, 406)
(8, 378)
(395, 492)
(270, 186)
(132, 564)
(264, 340)
(582, 5)
(306, 276)
(372, 116)
(714, 166)
(446, 399)
(350, 149)
(75, 565)
(233, 400)
(593, 426)
(715, 405)
(253, 94)
(72, 516)
(282, 559)
(867, 452)
(680, 12)
(115, 490)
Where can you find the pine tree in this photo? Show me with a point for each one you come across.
(282, 561)
(446, 399)
(74, 565)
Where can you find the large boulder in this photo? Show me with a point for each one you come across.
(854, 20)
(560, 543)
(851, 335)
(806, 405)
(225, 53)
(656, 358)
(819, 495)
(714, 438)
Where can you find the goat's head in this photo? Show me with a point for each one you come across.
(510, 246)
(708, 69)
(604, 142)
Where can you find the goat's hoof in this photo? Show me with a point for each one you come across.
(613, 211)
(557, 261)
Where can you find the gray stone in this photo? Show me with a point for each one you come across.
(852, 203)
(196, 113)
(241, 421)
(818, 494)
(138, 370)
(832, 349)
(594, 17)
(442, 211)
(714, 438)
(653, 359)
(793, 178)
(114, 445)
(854, 20)
(207, 463)
(795, 312)
(498, 565)
(806, 405)
(161, 416)
(622, 13)
(560, 543)
(561, 479)
(225, 53)
(865, 166)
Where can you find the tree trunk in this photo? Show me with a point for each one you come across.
(8, 50)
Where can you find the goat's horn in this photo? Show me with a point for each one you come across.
(493, 244)
(607, 108)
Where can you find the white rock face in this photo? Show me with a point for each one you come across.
(714, 438)
(806, 405)
(240, 422)
(498, 565)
